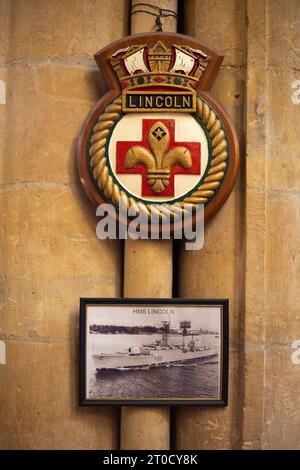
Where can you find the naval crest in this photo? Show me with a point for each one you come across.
(157, 136)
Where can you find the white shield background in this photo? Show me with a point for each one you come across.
(187, 129)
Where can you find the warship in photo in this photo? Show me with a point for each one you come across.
(161, 352)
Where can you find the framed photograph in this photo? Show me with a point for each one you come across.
(153, 352)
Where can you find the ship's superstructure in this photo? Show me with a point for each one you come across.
(159, 353)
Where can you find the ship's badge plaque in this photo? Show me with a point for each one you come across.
(158, 138)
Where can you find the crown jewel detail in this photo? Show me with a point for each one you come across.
(140, 65)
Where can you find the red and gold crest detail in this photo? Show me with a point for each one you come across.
(157, 136)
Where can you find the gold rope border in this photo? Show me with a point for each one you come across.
(211, 183)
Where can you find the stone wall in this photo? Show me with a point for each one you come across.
(50, 255)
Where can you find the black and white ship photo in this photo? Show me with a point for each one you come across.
(153, 352)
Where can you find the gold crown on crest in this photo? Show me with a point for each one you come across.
(159, 66)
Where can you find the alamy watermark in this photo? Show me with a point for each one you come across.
(296, 94)
(163, 221)
(296, 354)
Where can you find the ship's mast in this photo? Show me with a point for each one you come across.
(184, 325)
(165, 333)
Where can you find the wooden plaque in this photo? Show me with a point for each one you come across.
(158, 138)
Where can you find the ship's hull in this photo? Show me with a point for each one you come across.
(157, 358)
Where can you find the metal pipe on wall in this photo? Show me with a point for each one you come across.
(148, 273)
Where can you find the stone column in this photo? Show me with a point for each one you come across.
(217, 271)
(271, 399)
(148, 273)
(251, 252)
(50, 255)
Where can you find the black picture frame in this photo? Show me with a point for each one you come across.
(220, 400)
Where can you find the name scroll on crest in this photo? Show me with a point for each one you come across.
(158, 136)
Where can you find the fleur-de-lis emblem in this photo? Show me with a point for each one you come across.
(159, 161)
